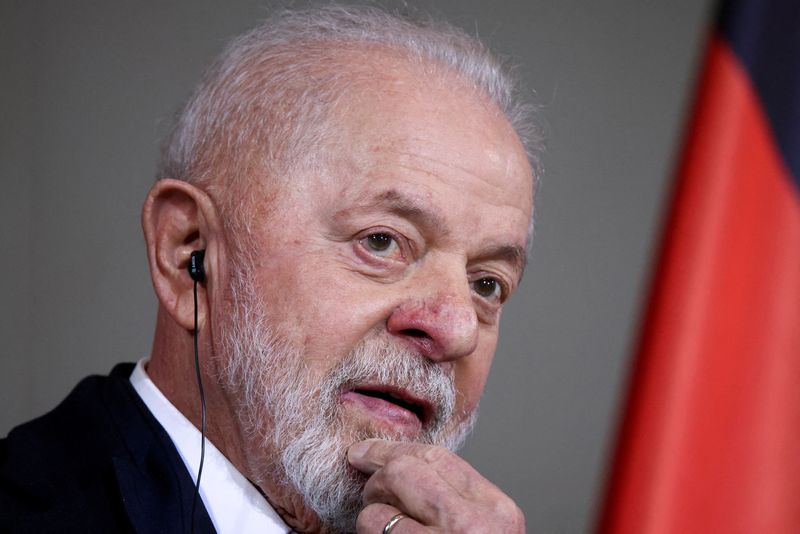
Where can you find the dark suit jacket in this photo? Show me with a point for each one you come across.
(99, 462)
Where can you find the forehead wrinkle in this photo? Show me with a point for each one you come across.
(454, 163)
(506, 171)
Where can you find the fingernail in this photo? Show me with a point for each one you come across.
(356, 451)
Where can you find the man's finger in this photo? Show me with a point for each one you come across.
(374, 519)
(370, 455)
(409, 484)
(433, 485)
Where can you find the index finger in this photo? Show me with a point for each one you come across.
(370, 455)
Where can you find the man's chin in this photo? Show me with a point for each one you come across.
(356, 430)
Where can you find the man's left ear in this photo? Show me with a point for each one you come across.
(179, 218)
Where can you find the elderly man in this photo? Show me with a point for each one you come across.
(342, 209)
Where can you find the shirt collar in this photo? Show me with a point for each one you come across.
(232, 502)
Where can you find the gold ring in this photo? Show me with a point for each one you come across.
(393, 521)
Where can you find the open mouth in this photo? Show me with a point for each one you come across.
(416, 409)
(397, 397)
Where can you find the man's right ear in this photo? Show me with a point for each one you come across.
(179, 218)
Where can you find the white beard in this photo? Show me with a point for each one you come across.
(295, 422)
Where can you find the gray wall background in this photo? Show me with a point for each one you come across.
(87, 89)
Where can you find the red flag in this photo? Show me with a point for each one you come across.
(710, 437)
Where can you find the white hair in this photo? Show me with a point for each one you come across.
(264, 106)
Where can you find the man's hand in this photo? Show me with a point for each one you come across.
(437, 490)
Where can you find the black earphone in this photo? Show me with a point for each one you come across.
(198, 273)
(196, 269)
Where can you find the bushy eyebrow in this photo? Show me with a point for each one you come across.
(514, 255)
(407, 207)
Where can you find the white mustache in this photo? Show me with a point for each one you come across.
(378, 362)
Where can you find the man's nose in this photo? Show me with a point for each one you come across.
(440, 321)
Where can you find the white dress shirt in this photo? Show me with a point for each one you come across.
(232, 502)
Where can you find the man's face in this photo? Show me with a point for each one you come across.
(403, 248)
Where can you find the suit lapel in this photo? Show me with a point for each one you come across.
(155, 486)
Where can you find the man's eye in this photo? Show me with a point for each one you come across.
(488, 288)
(380, 244)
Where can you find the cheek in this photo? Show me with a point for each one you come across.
(321, 309)
(472, 373)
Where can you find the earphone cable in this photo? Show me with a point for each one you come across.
(202, 410)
